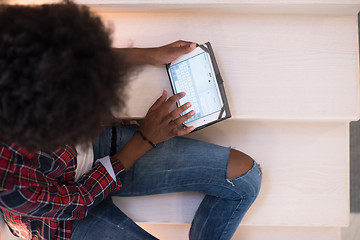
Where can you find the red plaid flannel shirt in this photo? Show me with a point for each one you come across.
(39, 197)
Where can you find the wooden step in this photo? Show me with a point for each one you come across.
(318, 7)
(289, 67)
(275, 67)
(180, 232)
(305, 176)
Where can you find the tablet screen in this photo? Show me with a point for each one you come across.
(195, 77)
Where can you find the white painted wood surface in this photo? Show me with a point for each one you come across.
(180, 232)
(302, 68)
(337, 7)
(305, 176)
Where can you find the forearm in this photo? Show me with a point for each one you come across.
(132, 151)
(155, 56)
(137, 56)
(59, 200)
(68, 201)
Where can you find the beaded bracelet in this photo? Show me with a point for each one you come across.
(145, 139)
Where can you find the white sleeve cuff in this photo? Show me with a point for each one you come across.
(105, 161)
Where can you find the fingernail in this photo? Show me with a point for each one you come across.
(192, 113)
(193, 45)
(188, 104)
(182, 94)
(192, 128)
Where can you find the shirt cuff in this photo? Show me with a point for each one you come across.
(105, 161)
(118, 168)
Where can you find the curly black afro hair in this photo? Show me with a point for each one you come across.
(59, 77)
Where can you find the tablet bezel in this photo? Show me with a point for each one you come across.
(212, 117)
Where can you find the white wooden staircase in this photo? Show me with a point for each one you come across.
(291, 75)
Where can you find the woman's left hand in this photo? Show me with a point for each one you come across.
(155, 56)
(168, 53)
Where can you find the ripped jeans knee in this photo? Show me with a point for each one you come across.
(249, 183)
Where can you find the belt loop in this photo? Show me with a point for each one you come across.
(113, 141)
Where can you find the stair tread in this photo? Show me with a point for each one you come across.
(274, 66)
(305, 173)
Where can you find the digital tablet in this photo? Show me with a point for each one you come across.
(198, 75)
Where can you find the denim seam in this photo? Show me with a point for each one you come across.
(134, 194)
(227, 224)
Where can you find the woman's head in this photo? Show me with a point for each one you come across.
(58, 75)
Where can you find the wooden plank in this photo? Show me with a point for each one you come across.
(305, 176)
(277, 67)
(280, 67)
(338, 7)
(193, 2)
(180, 232)
(316, 7)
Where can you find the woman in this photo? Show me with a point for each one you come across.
(59, 80)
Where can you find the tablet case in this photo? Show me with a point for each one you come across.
(225, 108)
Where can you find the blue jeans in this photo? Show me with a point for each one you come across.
(177, 165)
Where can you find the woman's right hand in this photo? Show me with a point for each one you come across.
(161, 124)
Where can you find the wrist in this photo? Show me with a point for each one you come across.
(133, 150)
(144, 56)
(137, 56)
(139, 132)
(148, 55)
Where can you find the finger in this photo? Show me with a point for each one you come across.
(159, 101)
(176, 113)
(190, 47)
(182, 43)
(183, 47)
(173, 99)
(181, 132)
(184, 118)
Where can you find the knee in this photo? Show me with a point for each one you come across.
(239, 164)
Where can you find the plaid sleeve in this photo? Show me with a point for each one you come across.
(119, 170)
(27, 192)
